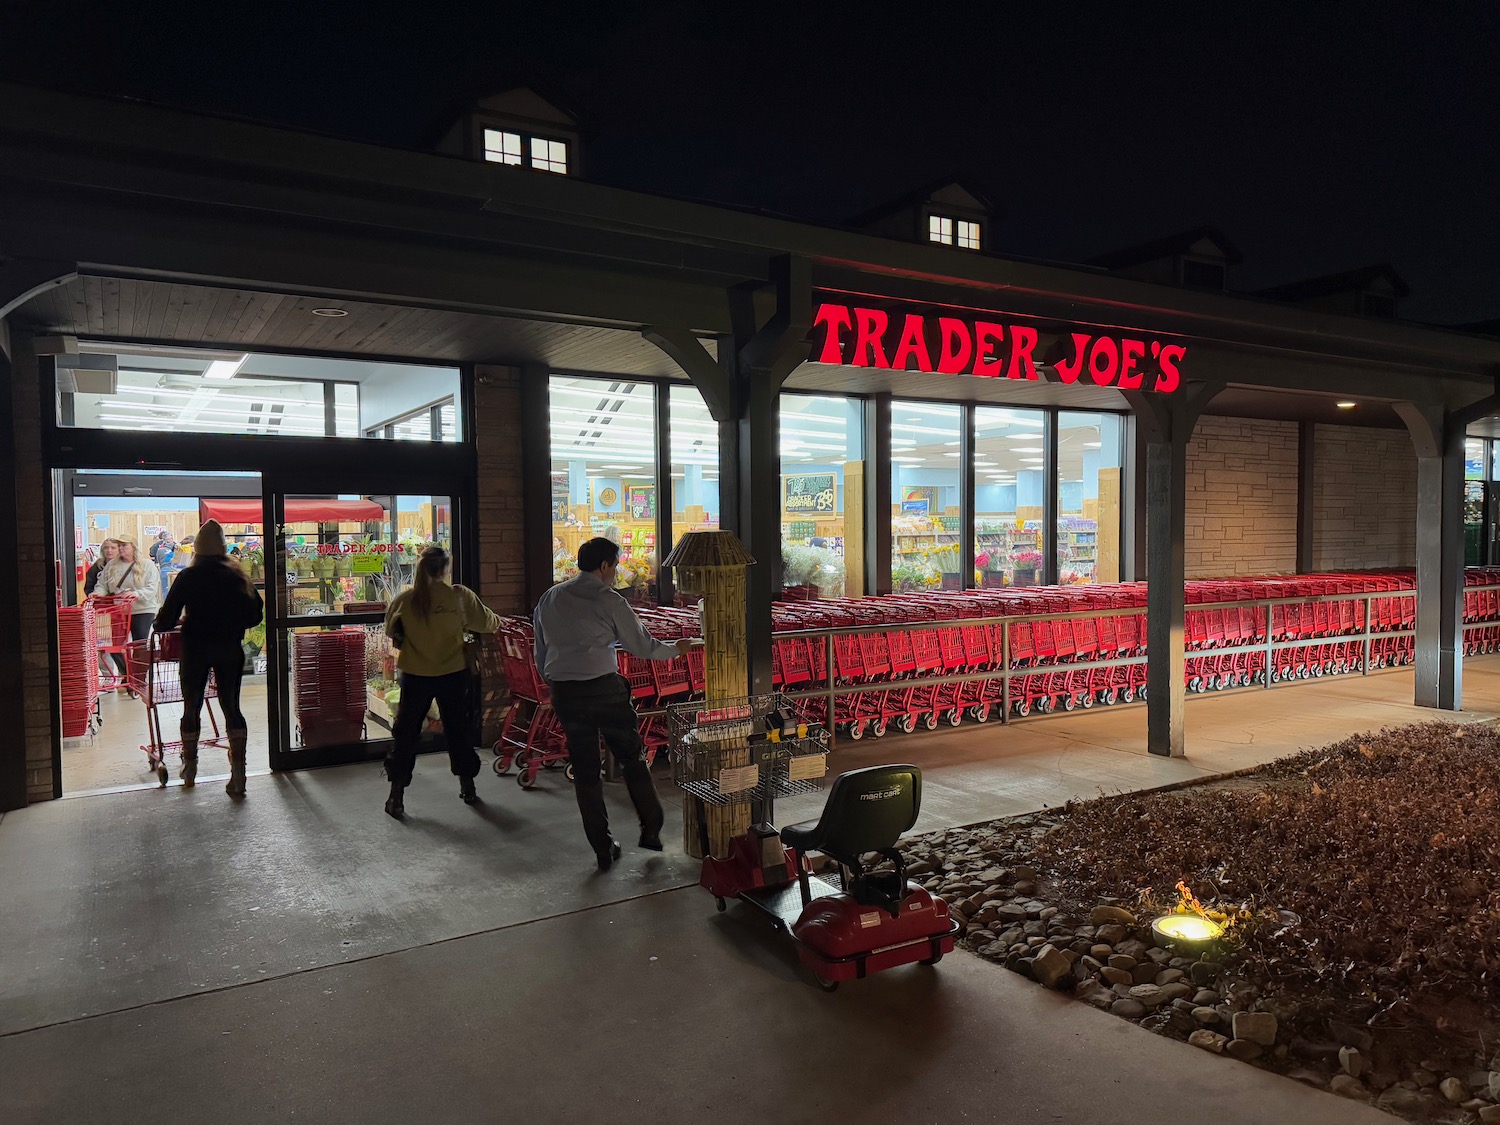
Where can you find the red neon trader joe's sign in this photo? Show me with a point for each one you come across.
(872, 336)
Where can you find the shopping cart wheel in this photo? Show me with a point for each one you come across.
(930, 720)
(906, 724)
(1128, 695)
(161, 775)
(1069, 702)
(1108, 698)
(878, 728)
(502, 764)
(1141, 694)
(568, 772)
(526, 778)
(826, 985)
(1023, 707)
(720, 904)
(856, 730)
(1195, 685)
(1087, 699)
(980, 714)
(954, 717)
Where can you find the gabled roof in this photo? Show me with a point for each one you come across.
(1350, 281)
(523, 103)
(1170, 247)
(920, 196)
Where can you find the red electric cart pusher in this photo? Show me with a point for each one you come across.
(858, 922)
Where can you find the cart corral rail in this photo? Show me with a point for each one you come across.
(921, 660)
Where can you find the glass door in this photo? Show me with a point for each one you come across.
(337, 555)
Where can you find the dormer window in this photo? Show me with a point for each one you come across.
(504, 147)
(549, 156)
(946, 231)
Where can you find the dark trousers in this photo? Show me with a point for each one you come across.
(587, 710)
(140, 629)
(226, 659)
(417, 694)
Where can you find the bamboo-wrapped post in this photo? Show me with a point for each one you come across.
(712, 564)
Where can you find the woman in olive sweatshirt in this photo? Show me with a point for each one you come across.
(427, 625)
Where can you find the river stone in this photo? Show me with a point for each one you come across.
(1424, 1078)
(1347, 1086)
(1305, 1074)
(1128, 1008)
(1258, 1027)
(1204, 972)
(1453, 1090)
(1208, 1040)
(1115, 976)
(1111, 933)
(1353, 1062)
(1012, 912)
(1206, 996)
(1025, 887)
(1024, 872)
(1148, 994)
(1159, 955)
(1243, 1049)
(1144, 973)
(1205, 1015)
(1176, 991)
(1489, 1115)
(1122, 961)
(1132, 948)
(1169, 976)
(1050, 966)
(1351, 1035)
(1398, 1099)
(1102, 951)
(1102, 915)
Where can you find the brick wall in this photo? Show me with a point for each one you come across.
(497, 416)
(1241, 497)
(37, 579)
(1364, 498)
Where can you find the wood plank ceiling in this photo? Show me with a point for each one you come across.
(147, 311)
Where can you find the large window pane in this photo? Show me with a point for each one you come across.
(822, 495)
(604, 476)
(1009, 488)
(695, 463)
(925, 496)
(188, 390)
(1089, 448)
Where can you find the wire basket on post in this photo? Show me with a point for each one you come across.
(726, 756)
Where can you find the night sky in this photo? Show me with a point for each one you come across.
(1317, 135)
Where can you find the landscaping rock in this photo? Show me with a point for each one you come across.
(1243, 1049)
(1095, 995)
(1353, 1062)
(1350, 1035)
(1346, 1086)
(1158, 955)
(1258, 1027)
(1024, 872)
(1115, 976)
(1489, 1115)
(1424, 1078)
(1303, 1074)
(1144, 973)
(1494, 1085)
(1122, 961)
(1169, 976)
(1130, 1009)
(1111, 934)
(1012, 935)
(1177, 991)
(1102, 951)
(1204, 972)
(1148, 994)
(1205, 1015)
(1131, 948)
(1206, 996)
(1025, 887)
(1011, 912)
(1315, 1048)
(1454, 1091)
(1049, 966)
(1103, 915)
(1208, 1040)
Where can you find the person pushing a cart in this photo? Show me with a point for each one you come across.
(577, 625)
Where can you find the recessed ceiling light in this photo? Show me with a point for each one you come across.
(330, 312)
(1030, 460)
(1091, 445)
(1345, 405)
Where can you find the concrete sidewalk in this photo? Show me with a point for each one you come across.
(171, 954)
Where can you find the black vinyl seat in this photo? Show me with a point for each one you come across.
(867, 811)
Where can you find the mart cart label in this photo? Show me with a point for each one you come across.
(738, 778)
(807, 766)
(869, 919)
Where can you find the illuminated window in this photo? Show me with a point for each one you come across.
(940, 230)
(549, 156)
(968, 235)
(502, 147)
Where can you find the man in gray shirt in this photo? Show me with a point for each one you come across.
(577, 624)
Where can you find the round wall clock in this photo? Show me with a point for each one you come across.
(608, 496)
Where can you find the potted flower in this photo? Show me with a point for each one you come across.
(946, 559)
(255, 640)
(255, 562)
(989, 569)
(1024, 566)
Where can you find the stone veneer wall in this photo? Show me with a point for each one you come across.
(1241, 497)
(36, 568)
(1365, 502)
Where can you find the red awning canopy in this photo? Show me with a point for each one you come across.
(246, 510)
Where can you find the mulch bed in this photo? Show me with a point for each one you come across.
(1359, 883)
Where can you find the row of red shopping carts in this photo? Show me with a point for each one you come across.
(910, 660)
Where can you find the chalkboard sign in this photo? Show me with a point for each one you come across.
(805, 495)
(560, 495)
(640, 501)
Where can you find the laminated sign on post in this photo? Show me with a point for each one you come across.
(809, 494)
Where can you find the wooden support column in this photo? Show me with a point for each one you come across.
(1166, 425)
(12, 685)
(1306, 492)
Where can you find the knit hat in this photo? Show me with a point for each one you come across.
(210, 540)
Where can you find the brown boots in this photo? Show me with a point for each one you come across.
(236, 784)
(189, 772)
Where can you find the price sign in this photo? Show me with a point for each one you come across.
(738, 779)
(807, 766)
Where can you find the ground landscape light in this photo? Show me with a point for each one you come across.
(1186, 929)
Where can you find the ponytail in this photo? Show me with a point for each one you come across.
(431, 567)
